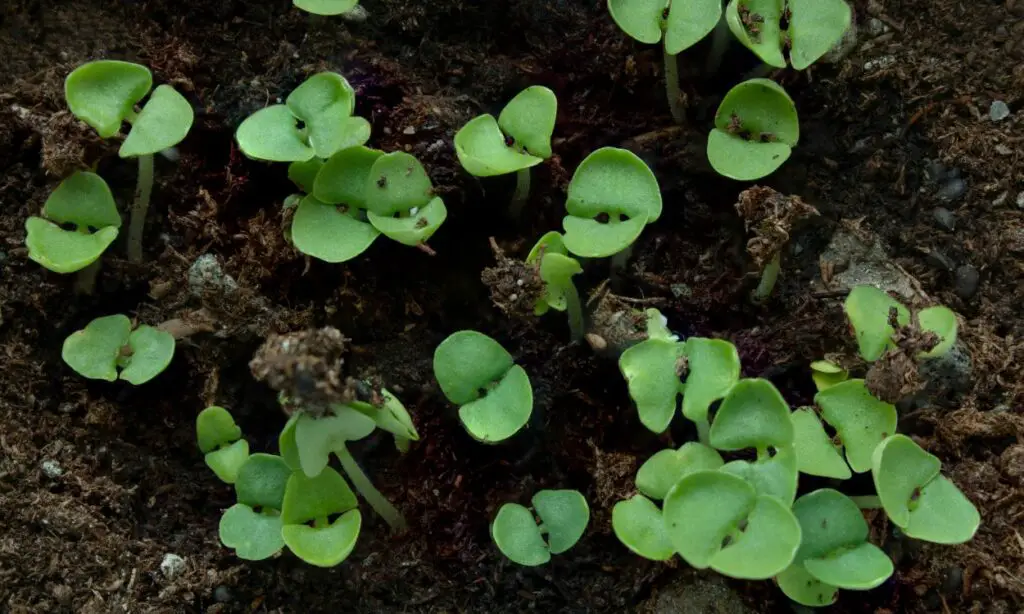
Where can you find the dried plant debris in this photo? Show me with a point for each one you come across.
(307, 368)
(769, 217)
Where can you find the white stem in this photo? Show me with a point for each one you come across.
(365, 487)
(675, 98)
(137, 223)
(522, 193)
(85, 281)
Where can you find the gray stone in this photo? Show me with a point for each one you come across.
(966, 281)
(697, 594)
(51, 469)
(952, 189)
(172, 566)
(940, 261)
(857, 261)
(945, 218)
(948, 374)
(222, 594)
(998, 111)
(207, 275)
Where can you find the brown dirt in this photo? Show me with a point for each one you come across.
(134, 486)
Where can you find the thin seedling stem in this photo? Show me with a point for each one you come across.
(675, 97)
(720, 39)
(377, 501)
(85, 281)
(143, 190)
(704, 431)
(574, 309)
(768, 278)
(522, 193)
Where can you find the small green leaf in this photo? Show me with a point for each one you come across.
(481, 149)
(391, 416)
(662, 470)
(804, 588)
(941, 321)
(163, 122)
(861, 420)
(324, 102)
(262, 481)
(638, 524)
(324, 232)
(228, 461)
(326, 7)
(688, 23)
(615, 183)
(253, 536)
(557, 271)
(272, 134)
(737, 158)
(152, 350)
(83, 199)
(714, 370)
(327, 545)
(564, 515)
(767, 117)
(640, 19)
(312, 499)
(287, 445)
(516, 534)
(774, 476)
(103, 93)
(303, 174)
(344, 177)
(397, 183)
(65, 251)
(868, 308)
(503, 411)
(943, 514)
(815, 26)
(767, 43)
(651, 369)
(420, 224)
(826, 374)
(468, 361)
(550, 243)
(529, 118)
(752, 415)
(862, 567)
(815, 452)
(215, 427)
(93, 351)
(316, 438)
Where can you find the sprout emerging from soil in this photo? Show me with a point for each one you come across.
(326, 7)
(109, 344)
(103, 94)
(493, 393)
(563, 517)
(800, 31)
(680, 24)
(519, 139)
(220, 440)
(84, 200)
(756, 128)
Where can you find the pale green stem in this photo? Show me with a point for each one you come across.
(369, 492)
(143, 190)
(675, 98)
(868, 502)
(704, 431)
(574, 309)
(85, 281)
(621, 259)
(719, 45)
(522, 193)
(768, 278)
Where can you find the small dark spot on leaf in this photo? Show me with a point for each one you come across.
(664, 13)
(916, 494)
(726, 541)
(382, 182)
(509, 141)
(301, 125)
(342, 208)
(743, 525)
(603, 218)
(422, 222)
(824, 523)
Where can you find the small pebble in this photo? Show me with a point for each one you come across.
(940, 261)
(52, 469)
(409, 130)
(952, 189)
(172, 566)
(998, 111)
(1003, 150)
(954, 581)
(945, 218)
(967, 280)
(222, 594)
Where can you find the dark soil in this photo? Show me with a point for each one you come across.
(882, 133)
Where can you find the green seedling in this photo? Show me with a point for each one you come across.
(872, 314)
(612, 196)
(493, 393)
(315, 121)
(326, 7)
(834, 551)
(861, 421)
(400, 200)
(556, 269)
(827, 374)
(800, 31)
(919, 500)
(84, 200)
(307, 528)
(519, 139)
(563, 514)
(103, 94)
(756, 129)
(680, 24)
(109, 344)
(816, 452)
(220, 440)
(252, 526)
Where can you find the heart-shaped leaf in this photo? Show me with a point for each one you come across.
(815, 452)
(714, 370)
(215, 427)
(815, 26)
(273, 134)
(504, 410)
(397, 183)
(326, 545)
(317, 437)
(482, 151)
(756, 24)
(756, 127)
(752, 415)
(517, 535)
(529, 118)
(651, 369)
(641, 19)
(690, 22)
(262, 481)
(564, 515)
(774, 476)
(638, 524)
(557, 271)
(868, 309)
(103, 93)
(861, 420)
(324, 232)
(163, 122)
(662, 470)
(324, 102)
(253, 536)
(228, 461)
(93, 351)
(83, 199)
(468, 361)
(65, 251)
(805, 589)
(151, 351)
(941, 321)
(344, 177)
(417, 227)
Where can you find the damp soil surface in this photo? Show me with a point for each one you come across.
(100, 482)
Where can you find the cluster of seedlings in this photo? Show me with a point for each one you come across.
(729, 500)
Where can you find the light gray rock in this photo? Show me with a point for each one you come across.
(949, 374)
(207, 275)
(51, 469)
(172, 566)
(707, 593)
(998, 111)
(857, 262)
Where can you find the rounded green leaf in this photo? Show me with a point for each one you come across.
(215, 427)
(272, 134)
(860, 568)
(652, 374)
(481, 149)
(516, 534)
(152, 350)
(815, 26)
(323, 103)
(941, 321)
(83, 199)
(715, 519)
(262, 481)
(253, 536)
(468, 361)
(343, 178)
(756, 127)
(557, 271)
(287, 445)
(312, 499)
(689, 22)
(392, 416)
(65, 251)
(640, 19)
(861, 420)
(815, 452)
(550, 243)
(662, 470)
(227, 461)
(316, 438)
(774, 476)
(714, 369)
(414, 229)
(504, 410)
(163, 122)
(103, 93)
(326, 545)
(804, 588)
(943, 514)
(737, 158)
(326, 7)
(868, 308)
(529, 118)
(900, 469)
(564, 515)
(397, 183)
(752, 415)
(615, 183)
(638, 524)
(303, 174)
(93, 351)
(826, 374)
(766, 43)
(324, 232)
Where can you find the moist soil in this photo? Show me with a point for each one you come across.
(896, 129)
